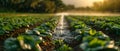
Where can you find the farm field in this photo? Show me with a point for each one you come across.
(59, 32)
(59, 25)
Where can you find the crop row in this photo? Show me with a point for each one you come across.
(37, 39)
(8, 24)
(88, 38)
(109, 24)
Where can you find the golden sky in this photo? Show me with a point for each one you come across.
(80, 3)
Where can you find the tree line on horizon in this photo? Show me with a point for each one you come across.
(37, 6)
(52, 6)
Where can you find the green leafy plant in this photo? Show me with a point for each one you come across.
(92, 32)
(23, 42)
(64, 48)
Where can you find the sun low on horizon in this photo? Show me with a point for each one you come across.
(81, 3)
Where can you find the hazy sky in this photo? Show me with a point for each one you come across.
(78, 3)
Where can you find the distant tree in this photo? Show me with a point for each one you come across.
(59, 5)
(45, 6)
